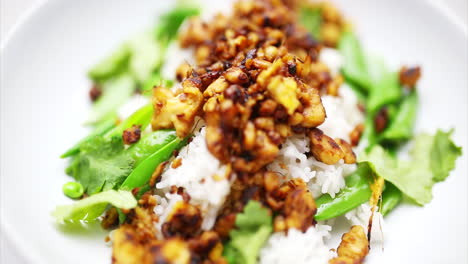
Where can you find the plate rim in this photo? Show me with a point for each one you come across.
(20, 244)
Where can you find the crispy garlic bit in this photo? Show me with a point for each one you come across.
(353, 248)
(177, 110)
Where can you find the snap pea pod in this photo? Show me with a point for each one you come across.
(111, 66)
(401, 125)
(101, 129)
(356, 192)
(142, 173)
(141, 117)
(354, 67)
(150, 144)
(391, 197)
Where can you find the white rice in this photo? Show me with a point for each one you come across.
(197, 175)
(343, 115)
(332, 58)
(322, 178)
(296, 247)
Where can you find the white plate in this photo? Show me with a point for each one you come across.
(44, 98)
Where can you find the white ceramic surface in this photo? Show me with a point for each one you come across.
(44, 98)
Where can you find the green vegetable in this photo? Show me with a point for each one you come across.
(102, 165)
(253, 227)
(92, 207)
(111, 66)
(169, 23)
(147, 56)
(391, 197)
(311, 19)
(101, 129)
(151, 143)
(142, 173)
(385, 90)
(354, 67)
(444, 153)
(402, 122)
(73, 190)
(356, 192)
(432, 158)
(115, 93)
(156, 80)
(141, 117)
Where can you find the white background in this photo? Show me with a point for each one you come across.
(12, 10)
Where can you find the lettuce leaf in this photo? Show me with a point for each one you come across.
(254, 226)
(92, 207)
(443, 155)
(432, 158)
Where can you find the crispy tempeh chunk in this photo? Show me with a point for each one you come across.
(177, 110)
(409, 76)
(324, 148)
(349, 156)
(353, 248)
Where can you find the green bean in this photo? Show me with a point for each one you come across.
(401, 125)
(354, 68)
(116, 92)
(150, 144)
(384, 91)
(142, 173)
(391, 197)
(356, 192)
(141, 117)
(101, 129)
(73, 190)
(111, 66)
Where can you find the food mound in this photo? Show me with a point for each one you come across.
(251, 155)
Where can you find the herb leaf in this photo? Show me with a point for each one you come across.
(102, 164)
(254, 226)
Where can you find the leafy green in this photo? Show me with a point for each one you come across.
(311, 19)
(111, 66)
(115, 93)
(102, 164)
(402, 121)
(92, 207)
(169, 23)
(102, 128)
(254, 226)
(444, 153)
(432, 158)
